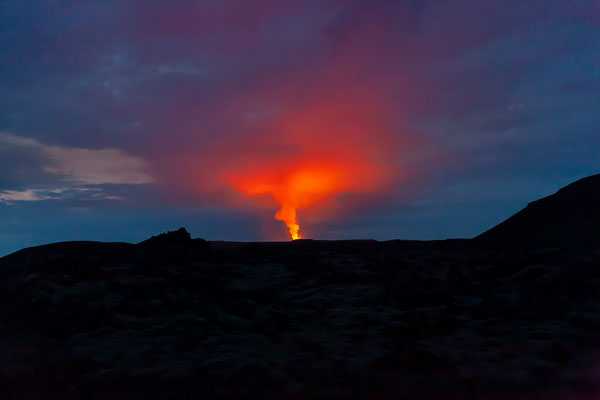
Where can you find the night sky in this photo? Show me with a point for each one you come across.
(418, 119)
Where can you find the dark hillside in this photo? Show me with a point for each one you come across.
(569, 218)
(513, 314)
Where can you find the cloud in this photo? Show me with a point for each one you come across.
(8, 196)
(85, 166)
(31, 171)
(11, 196)
(96, 167)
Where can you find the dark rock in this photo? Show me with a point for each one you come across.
(309, 345)
(250, 253)
(180, 236)
(559, 352)
(412, 360)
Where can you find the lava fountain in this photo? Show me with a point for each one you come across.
(294, 188)
(300, 184)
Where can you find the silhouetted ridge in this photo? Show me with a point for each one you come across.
(568, 218)
(180, 236)
(170, 247)
(56, 253)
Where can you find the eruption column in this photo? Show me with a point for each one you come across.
(294, 189)
(287, 214)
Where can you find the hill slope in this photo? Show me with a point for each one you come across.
(570, 217)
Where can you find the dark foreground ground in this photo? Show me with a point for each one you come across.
(514, 313)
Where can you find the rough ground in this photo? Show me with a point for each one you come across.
(174, 317)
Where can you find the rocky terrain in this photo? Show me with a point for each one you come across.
(513, 313)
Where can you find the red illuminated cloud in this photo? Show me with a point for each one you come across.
(334, 140)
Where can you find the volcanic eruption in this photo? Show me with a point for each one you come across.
(295, 188)
(322, 147)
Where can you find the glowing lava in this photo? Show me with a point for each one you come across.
(287, 214)
(294, 189)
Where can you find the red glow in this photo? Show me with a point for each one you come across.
(328, 147)
(294, 188)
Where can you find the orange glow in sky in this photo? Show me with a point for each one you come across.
(323, 147)
(294, 189)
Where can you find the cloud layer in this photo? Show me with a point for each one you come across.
(46, 172)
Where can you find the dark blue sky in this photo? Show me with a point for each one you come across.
(122, 119)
